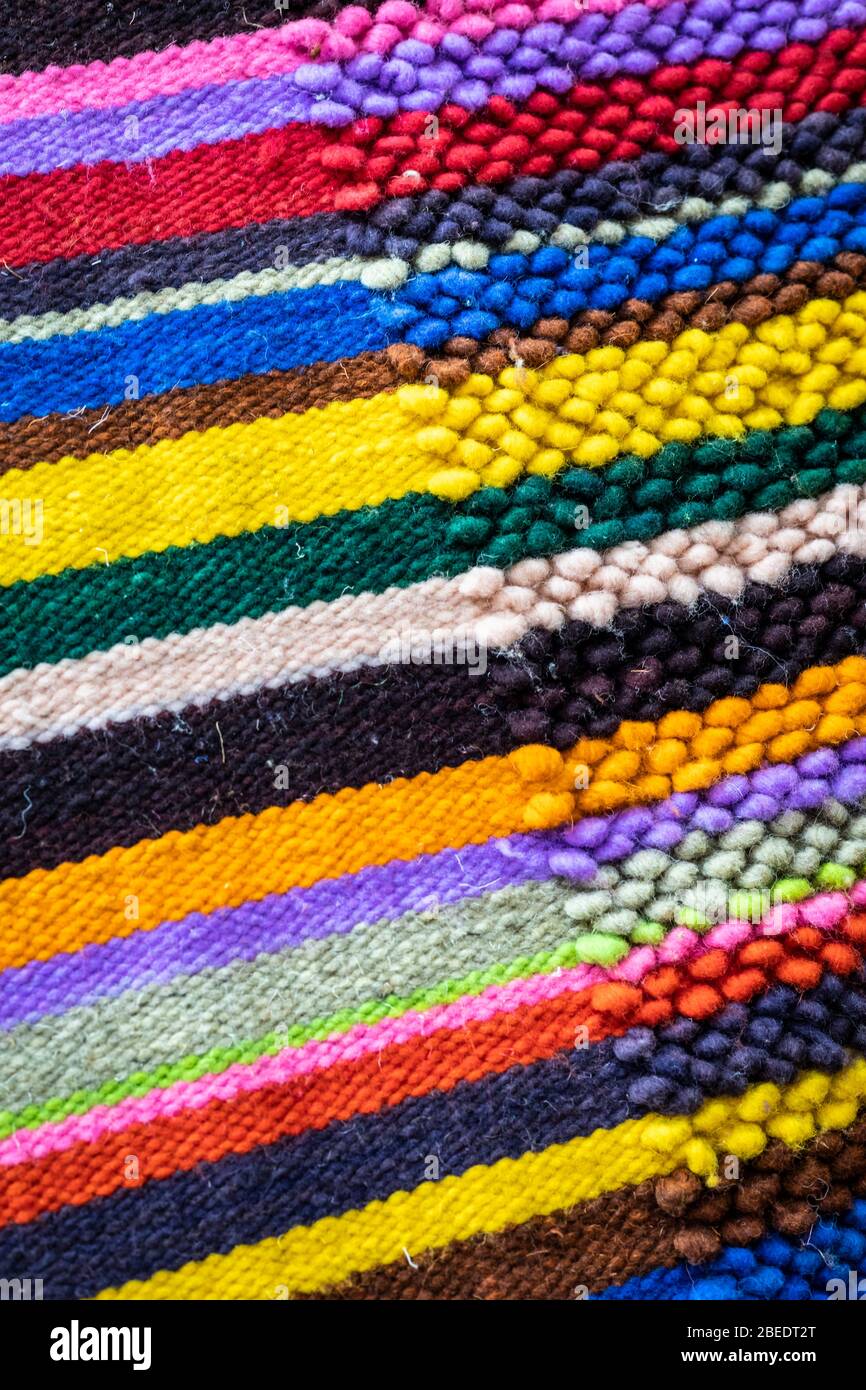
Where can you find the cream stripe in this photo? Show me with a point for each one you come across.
(489, 606)
(389, 273)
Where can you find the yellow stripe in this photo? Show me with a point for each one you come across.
(352, 454)
(486, 1199)
(220, 482)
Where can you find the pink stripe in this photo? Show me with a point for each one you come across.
(269, 52)
(824, 911)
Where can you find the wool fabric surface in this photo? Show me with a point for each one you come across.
(433, 649)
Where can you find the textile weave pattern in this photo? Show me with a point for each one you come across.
(433, 649)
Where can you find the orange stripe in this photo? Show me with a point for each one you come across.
(248, 857)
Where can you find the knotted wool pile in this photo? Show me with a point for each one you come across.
(432, 649)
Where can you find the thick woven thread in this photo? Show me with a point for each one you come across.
(647, 663)
(430, 57)
(325, 171)
(632, 1231)
(816, 152)
(418, 75)
(333, 337)
(229, 1184)
(775, 1269)
(454, 307)
(31, 439)
(67, 616)
(648, 992)
(635, 261)
(307, 1257)
(479, 612)
(591, 408)
(696, 992)
(530, 789)
(93, 34)
(215, 1123)
(689, 827)
(354, 30)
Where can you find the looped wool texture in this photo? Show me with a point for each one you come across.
(467, 66)
(303, 168)
(139, 680)
(590, 408)
(433, 649)
(638, 1230)
(631, 33)
(814, 153)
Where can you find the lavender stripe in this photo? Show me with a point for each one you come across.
(228, 935)
(416, 76)
(336, 906)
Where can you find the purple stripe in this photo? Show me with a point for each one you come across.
(228, 935)
(336, 906)
(415, 76)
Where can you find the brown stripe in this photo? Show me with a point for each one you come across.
(631, 1231)
(726, 302)
(552, 1257)
(168, 416)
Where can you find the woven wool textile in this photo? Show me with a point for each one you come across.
(433, 649)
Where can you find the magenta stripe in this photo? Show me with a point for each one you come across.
(272, 52)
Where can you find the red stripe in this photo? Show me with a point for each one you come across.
(301, 169)
(696, 989)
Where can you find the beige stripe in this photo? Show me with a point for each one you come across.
(389, 273)
(487, 606)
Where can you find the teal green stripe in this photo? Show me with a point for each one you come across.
(410, 540)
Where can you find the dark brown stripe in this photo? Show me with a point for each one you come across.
(631, 1231)
(36, 439)
(400, 720)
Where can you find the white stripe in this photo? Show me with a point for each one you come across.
(488, 606)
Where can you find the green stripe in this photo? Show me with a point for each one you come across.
(589, 948)
(410, 540)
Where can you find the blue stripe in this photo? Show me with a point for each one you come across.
(774, 1269)
(298, 327)
(188, 347)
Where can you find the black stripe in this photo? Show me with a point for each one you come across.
(72, 797)
(242, 1199)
